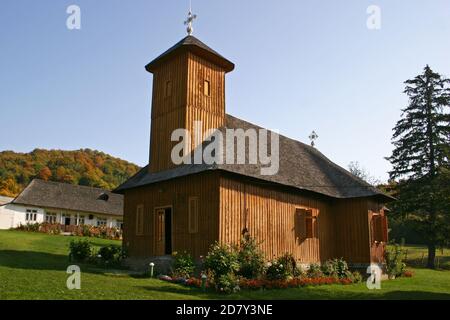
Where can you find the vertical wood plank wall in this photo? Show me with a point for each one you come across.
(209, 109)
(174, 193)
(270, 219)
(353, 229)
(186, 104)
(228, 204)
(168, 112)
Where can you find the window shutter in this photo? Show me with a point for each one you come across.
(377, 228)
(384, 224)
(300, 224)
(372, 238)
(316, 227)
(193, 215)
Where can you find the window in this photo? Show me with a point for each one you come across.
(306, 226)
(31, 215)
(101, 222)
(50, 217)
(140, 220)
(207, 88)
(193, 215)
(80, 220)
(168, 89)
(119, 224)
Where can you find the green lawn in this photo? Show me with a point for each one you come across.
(32, 266)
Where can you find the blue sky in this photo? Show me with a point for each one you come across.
(300, 66)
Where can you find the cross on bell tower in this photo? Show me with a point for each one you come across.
(313, 137)
(190, 19)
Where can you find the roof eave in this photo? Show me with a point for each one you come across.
(220, 61)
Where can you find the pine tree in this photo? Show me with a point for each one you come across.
(420, 158)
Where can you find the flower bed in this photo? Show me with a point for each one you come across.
(258, 284)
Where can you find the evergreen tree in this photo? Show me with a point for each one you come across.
(420, 158)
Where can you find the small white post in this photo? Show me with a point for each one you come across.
(152, 265)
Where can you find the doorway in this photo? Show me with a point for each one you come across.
(163, 231)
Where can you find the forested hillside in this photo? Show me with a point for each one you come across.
(84, 167)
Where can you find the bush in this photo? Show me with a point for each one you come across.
(357, 277)
(251, 258)
(394, 257)
(110, 253)
(80, 250)
(222, 264)
(227, 283)
(183, 265)
(314, 271)
(336, 268)
(276, 271)
(222, 259)
(50, 228)
(29, 227)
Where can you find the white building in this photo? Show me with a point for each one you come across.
(66, 204)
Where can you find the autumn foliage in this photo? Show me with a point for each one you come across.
(84, 167)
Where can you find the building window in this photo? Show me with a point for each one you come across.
(193, 215)
(80, 220)
(306, 226)
(119, 224)
(101, 222)
(140, 220)
(168, 89)
(50, 217)
(31, 215)
(207, 88)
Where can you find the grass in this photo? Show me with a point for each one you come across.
(416, 256)
(33, 266)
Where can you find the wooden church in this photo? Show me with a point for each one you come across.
(311, 208)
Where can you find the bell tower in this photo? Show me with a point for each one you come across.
(188, 86)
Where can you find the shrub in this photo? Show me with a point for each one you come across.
(80, 250)
(394, 261)
(251, 258)
(29, 227)
(276, 271)
(290, 264)
(50, 228)
(314, 271)
(183, 265)
(357, 277)
(110, 253)
(336, 268)
(227, 283)
(222, 264)
(222, 259)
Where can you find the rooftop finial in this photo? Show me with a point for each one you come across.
(313, 137)
(191, 17)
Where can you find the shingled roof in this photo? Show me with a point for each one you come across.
(191, 43)
(47, 194)
(301, 167)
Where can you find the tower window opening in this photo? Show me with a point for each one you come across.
(207, 88)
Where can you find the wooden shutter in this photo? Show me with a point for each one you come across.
(300, 224)
(315, 227)
(193, 215)
(384, 224)
(376, 227)
(140, 220)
